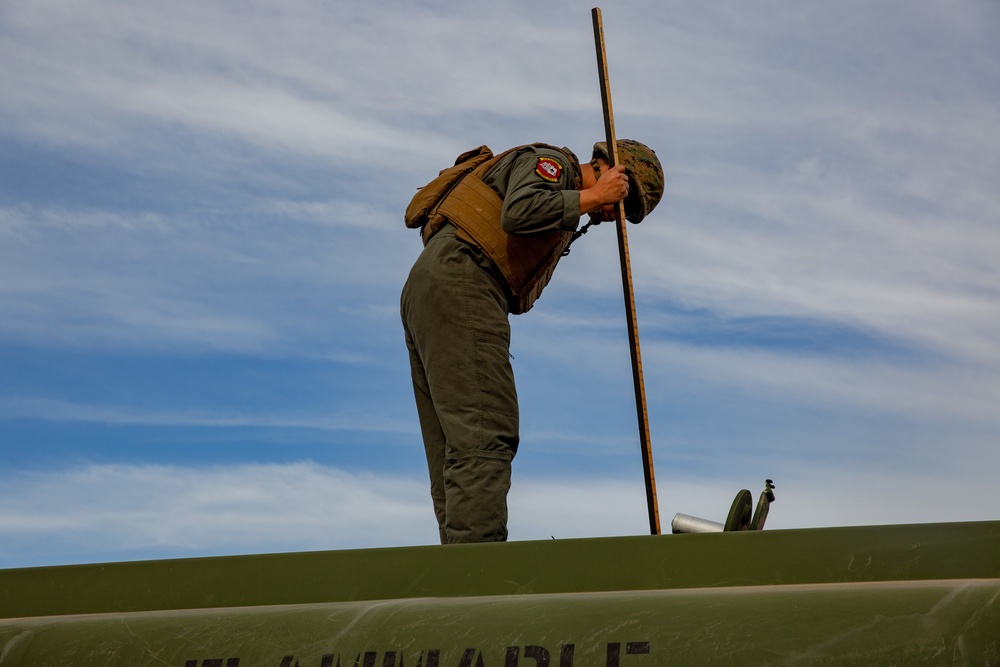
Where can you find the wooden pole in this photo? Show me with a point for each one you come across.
(633, 331)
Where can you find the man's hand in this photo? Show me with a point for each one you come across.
(609, 189)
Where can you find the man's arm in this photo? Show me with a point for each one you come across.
(541, 197)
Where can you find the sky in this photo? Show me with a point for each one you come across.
(202, 248)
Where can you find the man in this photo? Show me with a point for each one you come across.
(494, 228)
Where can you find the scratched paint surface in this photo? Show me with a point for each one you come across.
(917, 594)
(758, 558)
(955, 621)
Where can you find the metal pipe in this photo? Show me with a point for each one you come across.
(684, 523)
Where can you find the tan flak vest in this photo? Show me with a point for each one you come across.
(460, 196)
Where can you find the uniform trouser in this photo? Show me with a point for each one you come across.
(455, 318)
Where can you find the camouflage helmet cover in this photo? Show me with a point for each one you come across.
(645, 176)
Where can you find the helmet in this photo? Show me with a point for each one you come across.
(645, 176)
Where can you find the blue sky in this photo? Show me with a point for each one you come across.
(201, 252)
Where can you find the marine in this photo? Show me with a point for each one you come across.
(494, 228)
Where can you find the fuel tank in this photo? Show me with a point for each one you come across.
(872, 595)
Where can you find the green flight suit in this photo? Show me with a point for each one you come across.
(454, 308)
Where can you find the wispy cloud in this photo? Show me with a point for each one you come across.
(133, 510)
(149, 279)
(115, 512)
(46, 409)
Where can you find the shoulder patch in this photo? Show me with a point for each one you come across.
(548, 168)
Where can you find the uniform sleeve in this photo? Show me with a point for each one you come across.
(540, 195)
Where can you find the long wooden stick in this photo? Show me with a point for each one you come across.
(633, 331)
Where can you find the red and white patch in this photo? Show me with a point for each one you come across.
(549, 169)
